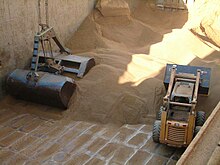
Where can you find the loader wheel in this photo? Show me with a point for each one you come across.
(156, 131)
(197, 129)
(200, 118)
(159, 113)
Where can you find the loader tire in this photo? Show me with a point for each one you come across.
(200, 118)
(159, 113)
(197, 129)
(156, 131)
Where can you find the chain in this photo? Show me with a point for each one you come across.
(46, 13)
(46, 44)
(39, 15)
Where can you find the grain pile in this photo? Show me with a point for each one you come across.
(132, 49)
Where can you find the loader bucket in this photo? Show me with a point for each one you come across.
(41, 87)
(204, 84)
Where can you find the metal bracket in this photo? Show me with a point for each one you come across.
(32, 76)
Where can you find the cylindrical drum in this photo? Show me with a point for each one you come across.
(41, 87)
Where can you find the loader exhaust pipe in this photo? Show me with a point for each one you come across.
(41, 87)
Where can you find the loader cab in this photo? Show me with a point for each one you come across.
(182, 94)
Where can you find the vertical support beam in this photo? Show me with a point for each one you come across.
(163, 126)
(190, 129)
(197, 85)
(172, 79)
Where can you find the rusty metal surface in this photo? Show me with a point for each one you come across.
(78, 65)
(43, 88)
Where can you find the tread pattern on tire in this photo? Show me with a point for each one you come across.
(200, 118)
(156, 131)
(160, 113)
(197, 129)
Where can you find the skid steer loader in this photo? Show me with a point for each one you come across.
(44, 82)
(178, 121)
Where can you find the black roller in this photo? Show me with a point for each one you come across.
(41, 87)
